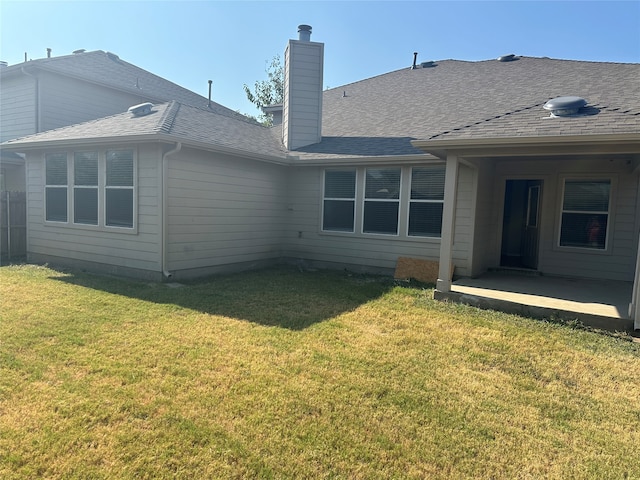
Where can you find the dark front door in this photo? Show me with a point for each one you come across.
(521, 224)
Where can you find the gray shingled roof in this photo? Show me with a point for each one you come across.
(171, 121)
(105, 68)
(381, 115)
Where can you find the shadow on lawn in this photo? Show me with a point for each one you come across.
(284, 296)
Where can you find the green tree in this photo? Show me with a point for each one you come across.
(268, 92)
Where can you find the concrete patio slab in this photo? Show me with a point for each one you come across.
(602, 304)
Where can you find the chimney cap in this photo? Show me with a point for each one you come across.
(304, 33)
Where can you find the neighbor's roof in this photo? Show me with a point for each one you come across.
(169, 122)
(459, 99)
(107, 69)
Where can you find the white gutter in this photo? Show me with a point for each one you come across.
(634, 306)
(24, 144)
(621, 143)
(164, 203)
(334, 160)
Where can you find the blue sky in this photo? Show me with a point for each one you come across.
(231, 43)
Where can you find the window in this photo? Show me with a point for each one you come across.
(426, 201)
(56, 187)
(119, 189)
(97, 188)
(339, 200)
(85, 188)
(381, 201)
(585, 213)
(402, 201)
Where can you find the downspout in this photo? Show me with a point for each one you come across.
(634, 306)
(37, 94)
(164, 203)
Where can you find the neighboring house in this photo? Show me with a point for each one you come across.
(49, 93)
(452, 161)
(43, 94)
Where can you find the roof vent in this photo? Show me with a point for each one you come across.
(78, 52)
(3, 64)
(507, 58)
(564, 106)
(141, 110)
(428, 64)
(113, 56)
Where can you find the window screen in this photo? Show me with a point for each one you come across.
(339, 200)
(381, 201)
(119, 189)
(427, 200)
(85, 188)
(56, 187)
(585, 213)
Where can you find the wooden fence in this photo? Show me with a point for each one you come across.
(13, 226)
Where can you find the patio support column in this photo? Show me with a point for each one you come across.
(448, 220)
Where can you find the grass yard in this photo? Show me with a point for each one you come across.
(287, 374)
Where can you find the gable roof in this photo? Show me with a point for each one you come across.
(109, 70)
(168, 122)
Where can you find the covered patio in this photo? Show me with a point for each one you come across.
(600, 304)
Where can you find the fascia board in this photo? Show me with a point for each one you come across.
(225, 150)
(379, 160)
(133, 139)
(618, 143)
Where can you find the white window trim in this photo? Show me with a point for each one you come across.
(607, 250)
(133, 188)
(410, 201)
(72, 181)
(382, 200)
(354, 200)
(403, 211)
(102, 173)
(46, 186)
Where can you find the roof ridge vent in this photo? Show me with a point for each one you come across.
(508, 58)
(565, 106)
(141, 110)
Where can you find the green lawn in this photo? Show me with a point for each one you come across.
(287, 374)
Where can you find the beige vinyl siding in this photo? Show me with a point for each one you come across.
(18, 107)
(464, 217)
(618, 261)
(305, 240)
(302, 104)
(486, 249)
(223, 211)
(66, 101)
(103, 248)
